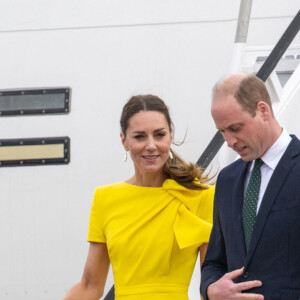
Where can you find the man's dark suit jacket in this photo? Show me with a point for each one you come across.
(274, 251)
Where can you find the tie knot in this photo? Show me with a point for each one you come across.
(258, 163)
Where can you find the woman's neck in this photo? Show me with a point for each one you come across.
(149, 180)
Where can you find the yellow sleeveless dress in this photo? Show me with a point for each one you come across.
(152, 236)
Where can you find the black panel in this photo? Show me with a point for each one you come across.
(35, 101)
(64, 141)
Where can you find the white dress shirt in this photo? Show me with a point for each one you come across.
(270, 159)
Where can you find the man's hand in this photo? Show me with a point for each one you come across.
(226, 289)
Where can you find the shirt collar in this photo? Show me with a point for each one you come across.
(274, 154)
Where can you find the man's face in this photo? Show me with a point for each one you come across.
(243, 133)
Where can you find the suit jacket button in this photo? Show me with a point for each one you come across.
(246, 275)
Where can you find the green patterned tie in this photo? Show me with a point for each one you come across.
(250, 201)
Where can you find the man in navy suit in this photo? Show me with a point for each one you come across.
(269, 266)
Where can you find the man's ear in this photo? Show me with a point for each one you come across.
(264, 109)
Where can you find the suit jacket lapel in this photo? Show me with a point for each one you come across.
(237, 200)
(280, 173)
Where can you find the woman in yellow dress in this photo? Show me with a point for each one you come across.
(151, 226)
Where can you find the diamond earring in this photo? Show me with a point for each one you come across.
(125, 156)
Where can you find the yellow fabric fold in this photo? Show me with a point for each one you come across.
(189, 229)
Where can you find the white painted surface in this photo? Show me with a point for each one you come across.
(105, 51)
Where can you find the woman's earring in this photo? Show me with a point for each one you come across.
(171, 154)
(125, 156)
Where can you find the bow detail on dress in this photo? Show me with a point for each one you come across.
(189, 229)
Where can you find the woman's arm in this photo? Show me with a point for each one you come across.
(203, 249)
(94, 276)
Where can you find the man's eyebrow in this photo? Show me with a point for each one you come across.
(230, 126)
